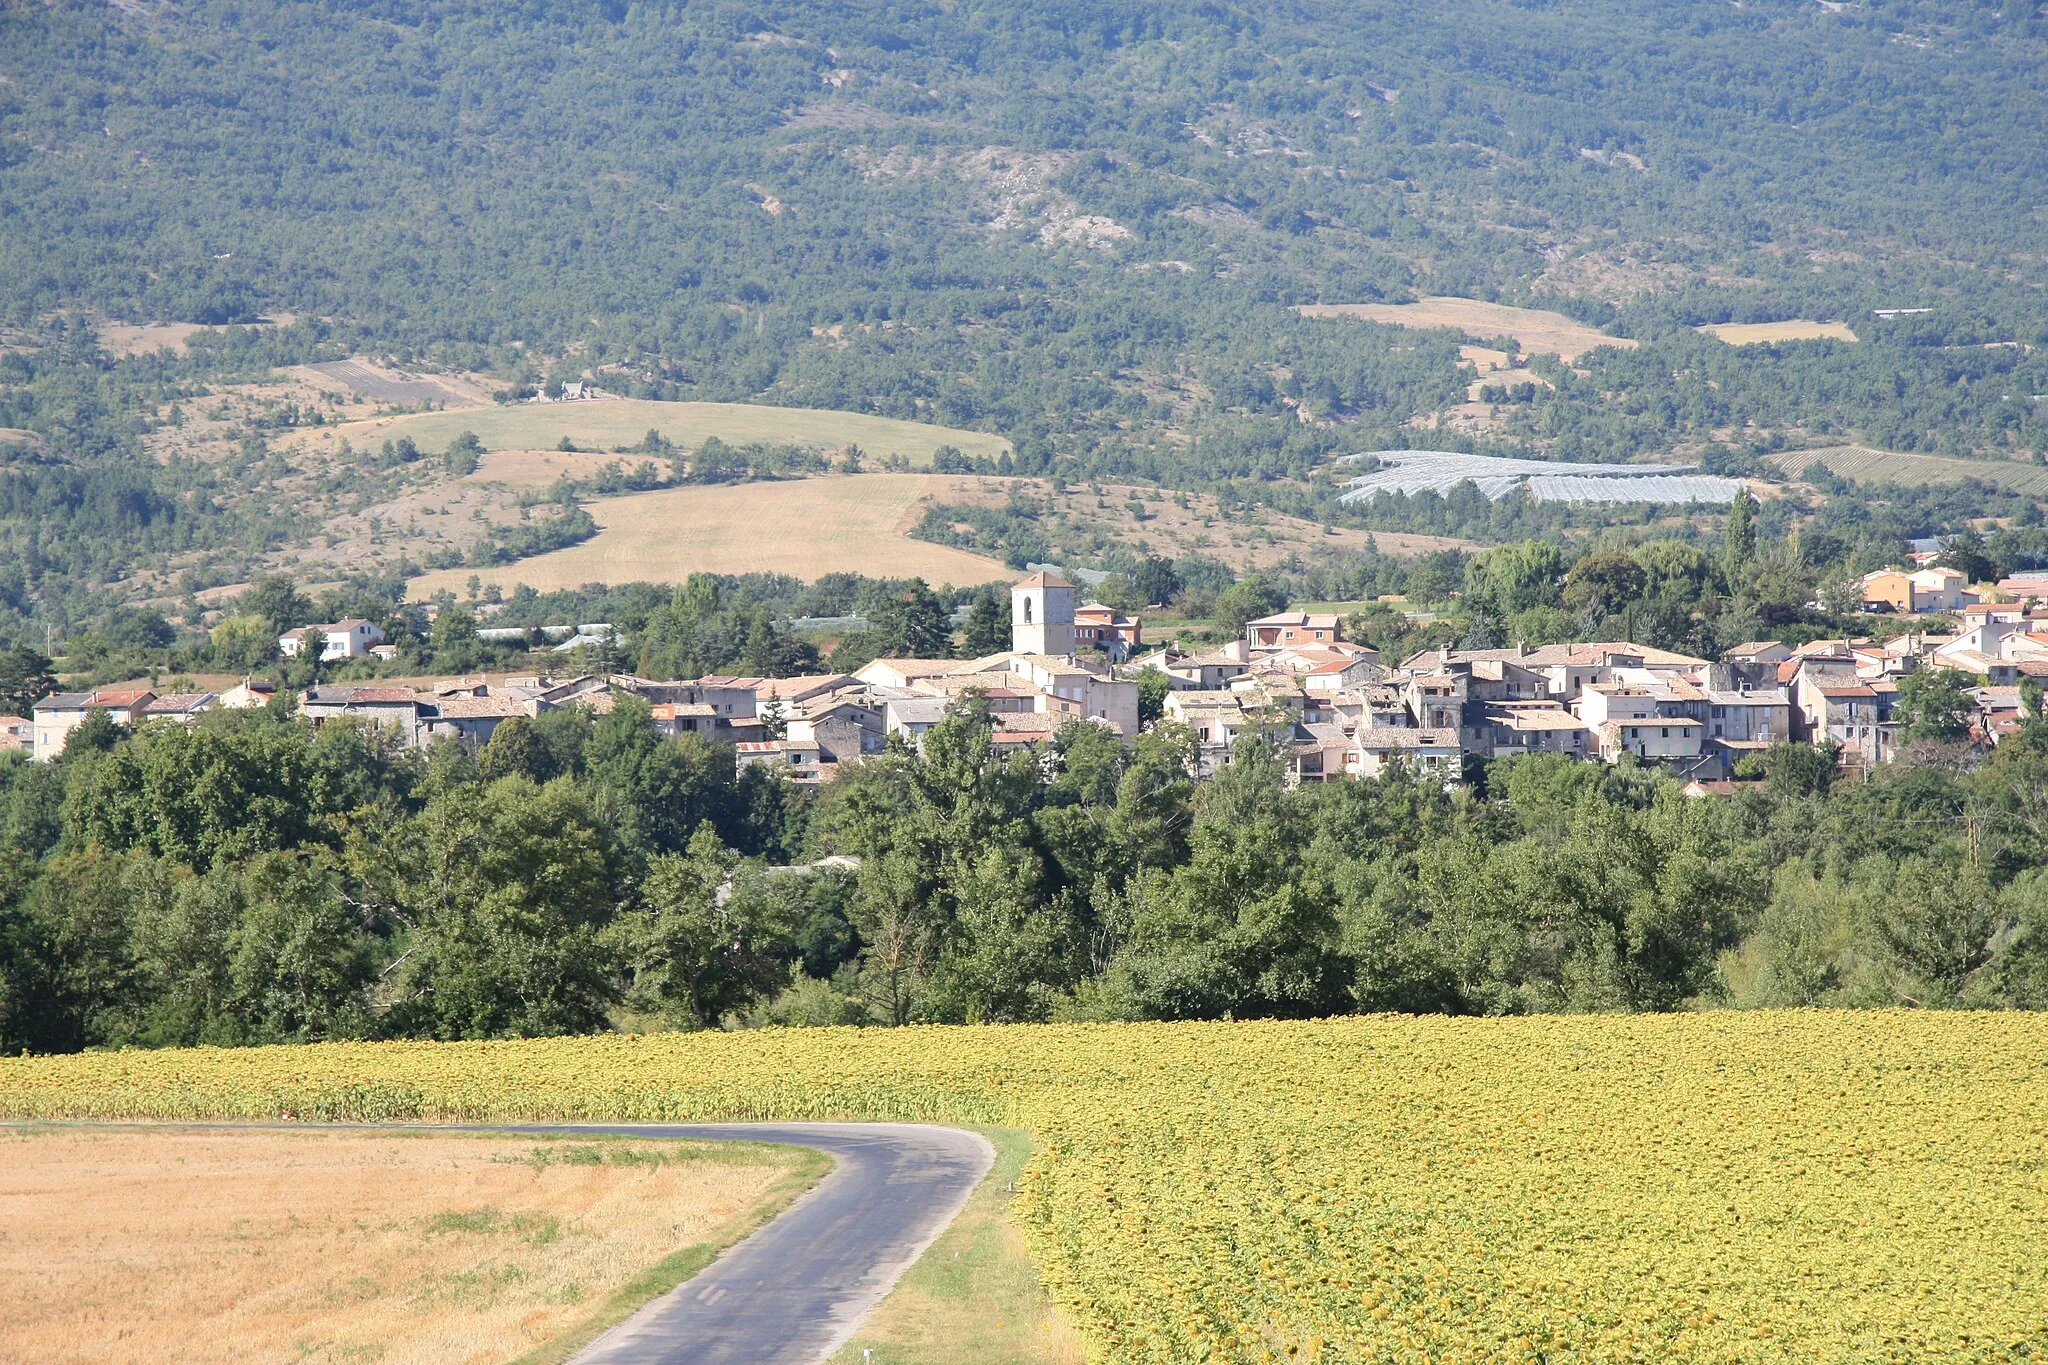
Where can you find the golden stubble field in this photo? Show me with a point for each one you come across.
(1765, 333)
(200, 1244)
(1537, 331)
(836, 523)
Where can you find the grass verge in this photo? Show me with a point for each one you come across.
(974, 1295)
(807, 1168)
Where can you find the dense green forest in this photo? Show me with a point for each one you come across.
(1082, 226)
(249, 881)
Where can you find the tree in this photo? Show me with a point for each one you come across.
(1603, 584)
(988, 625)
(1155, 581)
(1935, 703)
(1246, 601)
(1738, 538)
(498, 892)
(1514, 578)
(702, 945)
(279, 602)
(464, 454)
(1964, 552)
(25, 679)
(1154, 686)
(910, 623)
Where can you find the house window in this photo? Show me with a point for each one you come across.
(1667, 732)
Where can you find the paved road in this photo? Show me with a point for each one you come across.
(792, 1293)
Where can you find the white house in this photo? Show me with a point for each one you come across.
(350, 639)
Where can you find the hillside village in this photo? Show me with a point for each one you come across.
(1335, 708)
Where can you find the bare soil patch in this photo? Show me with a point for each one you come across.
(264, 1245)
(806, 527)
(1537, 331)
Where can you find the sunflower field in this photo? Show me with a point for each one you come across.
(1796, 1186)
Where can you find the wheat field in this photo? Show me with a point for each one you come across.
(228, 1245)
(1537, 331)
(1761, 333)
(806, 527)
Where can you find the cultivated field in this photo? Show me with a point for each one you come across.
(1760, 333)
(223, 1245)
(1537, 331)
(605, 423)
(1891, 466)
(1773, 1187)
(806, 527)
(393, 386)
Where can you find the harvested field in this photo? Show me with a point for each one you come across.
(806, 527)
(121, 340)
(1537, 331)
(604, 423)
(541, 468)
(395, 386)
(1763, 333)
(1891, 466)
(264, 1245)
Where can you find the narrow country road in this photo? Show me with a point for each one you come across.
(793, 1293)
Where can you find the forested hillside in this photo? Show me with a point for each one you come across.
(1013, 213)
(1081, 226)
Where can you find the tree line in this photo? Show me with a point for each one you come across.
(248, 880)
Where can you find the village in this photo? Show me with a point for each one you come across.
(1334, 707)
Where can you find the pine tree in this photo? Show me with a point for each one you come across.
(1738, 541)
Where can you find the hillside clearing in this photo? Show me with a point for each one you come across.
(1762, 333)
(1536, 330)
(1891, 466)
(240, 1245)
(1082, 523)
(805, 527)
(603, 424)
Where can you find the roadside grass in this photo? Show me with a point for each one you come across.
(807, 1167)
(974, 1295)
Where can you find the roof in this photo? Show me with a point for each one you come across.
(363, 696)
(1400, 737)
(1846, 693)
(63, 701)
(1041, 579)
(1765, 696)
(480, 708)
(1750, 648)
(176, 703)
(116, 698)
(676, 710)
(1537, 720)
